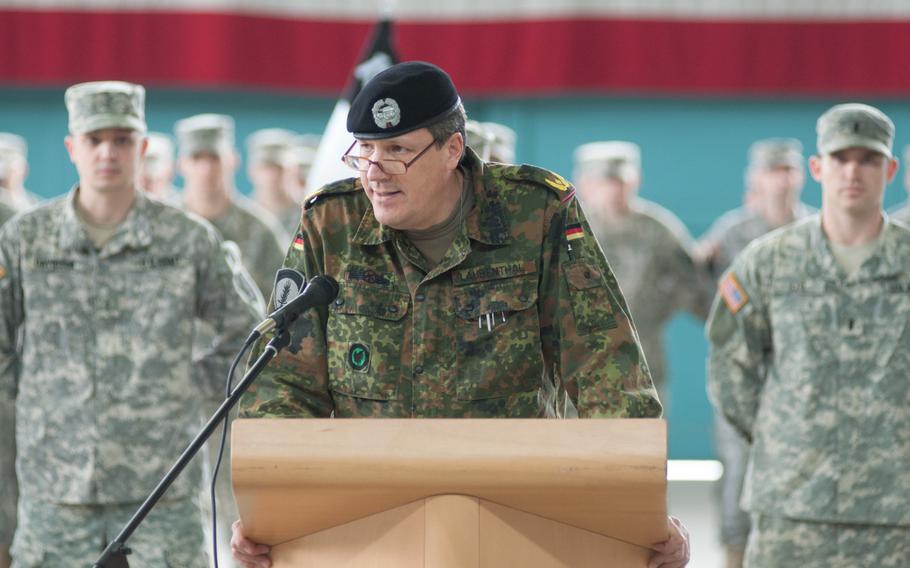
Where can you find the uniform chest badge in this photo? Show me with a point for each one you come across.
(386, 113)
(359, 357)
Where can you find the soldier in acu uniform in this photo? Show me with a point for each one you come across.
(266, 152)
(774, 179)
(9, 488)
(647, 246)
(104, 285)
(158, 169)
(466, 289)
(208, 162)
(13, 171)
(902, 212)
(809, 362)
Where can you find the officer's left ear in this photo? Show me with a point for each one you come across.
(893, 165)
(455, 150)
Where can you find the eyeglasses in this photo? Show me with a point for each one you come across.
(389, 167)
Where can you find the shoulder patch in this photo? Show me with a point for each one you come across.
(732, 293)
(551, 180)
(341, 187)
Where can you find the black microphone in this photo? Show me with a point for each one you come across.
(319, 291)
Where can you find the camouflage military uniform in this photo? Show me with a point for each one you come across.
(6, 212)
(650, 252)
(9, 488)
(731, 233)
(523, 294)
(260, 238)
(104, 385)
(811, 366)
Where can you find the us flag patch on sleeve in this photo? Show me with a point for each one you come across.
(732, 293)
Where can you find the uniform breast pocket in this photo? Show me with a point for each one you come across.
(498, 338)
(365, 333)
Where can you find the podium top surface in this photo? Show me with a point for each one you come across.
(298, 476)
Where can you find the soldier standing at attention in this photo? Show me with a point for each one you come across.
(266, 152)
(13, 171)
(649, 249)
(298, 160)
(466, 288)
(902, 212)
(105, 284)
(775, 179)
(808, 361)
(9, 487)
(208, 162)
(158, 171)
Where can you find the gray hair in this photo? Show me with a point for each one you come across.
(445, 127)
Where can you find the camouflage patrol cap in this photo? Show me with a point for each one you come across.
(773, 153)
(160, 151)
(404, 97)
(479, 138)
(854, 125)
(504, 138)
(205, 133)
(13, 144)
(612, 159)
(302, 150)
(268, 145)
(105, 104)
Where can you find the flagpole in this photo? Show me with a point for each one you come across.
(377, 54)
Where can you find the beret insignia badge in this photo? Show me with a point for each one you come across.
(386, 113)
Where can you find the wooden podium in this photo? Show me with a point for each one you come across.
(452, 493)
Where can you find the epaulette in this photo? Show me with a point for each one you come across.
(340, 187)
(563, 189)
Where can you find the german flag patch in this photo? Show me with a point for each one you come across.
(732, 293)
(298, 243)
(574, 231)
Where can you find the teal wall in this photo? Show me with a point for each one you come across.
(693, 157)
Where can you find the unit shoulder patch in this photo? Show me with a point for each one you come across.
(732, 293)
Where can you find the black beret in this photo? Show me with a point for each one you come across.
(404, 97)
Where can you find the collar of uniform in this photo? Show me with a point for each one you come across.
(486, 222)
(823, 258)
(135, 232)
(371, 231)
(884, 262)
(886, 259)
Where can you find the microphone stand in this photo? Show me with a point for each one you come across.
(114, 556)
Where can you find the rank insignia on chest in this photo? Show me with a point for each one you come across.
(298, 243)
(574, 231)
(732, 293)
